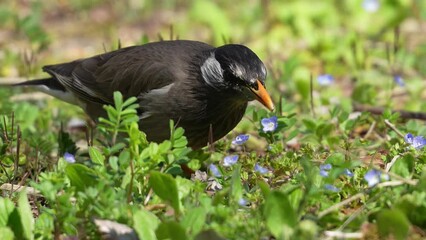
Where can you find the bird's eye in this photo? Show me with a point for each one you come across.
(234, 78)
(253, 83)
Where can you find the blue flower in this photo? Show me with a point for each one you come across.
(242, 202)
(69, 157)
(374, 176)
(269, 124)
(240, 139)
(260, 169)
(371, 5)
(417, 142)
(325, 79)
(348, 172)
(331, 188)
(399, 80)
(323, 173)
(324, 168)
(230, 160)
(215, 170)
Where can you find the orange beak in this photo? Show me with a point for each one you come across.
(262, 96)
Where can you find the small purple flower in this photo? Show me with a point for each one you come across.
(409, 138)
(69, 157)
(371, 6)
(323, 173)
(242, 202)
(324, 168)
(372, 177)
(215, 170)
(260, 169)
(269, 124)
(348, 172)
(240, 139)
(230, 160)
(399, 80)
(417, 142)
(331, 188)
(325, 79)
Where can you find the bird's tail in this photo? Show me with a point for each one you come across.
(50, 86)
(50, 83)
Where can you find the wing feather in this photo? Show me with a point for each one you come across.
(132, 71)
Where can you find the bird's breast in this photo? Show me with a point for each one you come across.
(203, 116)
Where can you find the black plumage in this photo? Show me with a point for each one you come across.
(193, 83)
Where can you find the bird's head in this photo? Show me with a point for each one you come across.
(236, 67)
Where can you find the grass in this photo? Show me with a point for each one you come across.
(288, 183)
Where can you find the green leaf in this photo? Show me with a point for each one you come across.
(80, 176)
(153, 149)
(394, 223)
(26, 214)
(165, 146)
(164, 185)
(295, 196)
(15, 224)
(6, 208)
(113, 162)
(106, 122)
(118, 100)
(336, 159)
(128, 111)
(6, 233)
(171, 230)
(324, 129)
(96, 156)
(292, 135)
(178, 133)
(236, 185)
(404, 166)
(280, 216)
(194, 220)
(414, 207)
(124, 159)
(116, 148)
(145, 223)
(129, 101)
(126, 178)
(129, 119)
(180, 143)
(264, 188)
(310, 124)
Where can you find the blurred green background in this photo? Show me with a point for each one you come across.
(349, 39)
(373, 50)
(363, 44)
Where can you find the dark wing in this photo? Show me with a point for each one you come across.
(132, 71)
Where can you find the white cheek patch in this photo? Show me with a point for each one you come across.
(212, 72)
